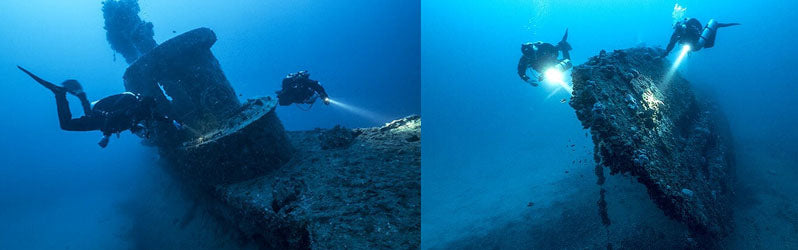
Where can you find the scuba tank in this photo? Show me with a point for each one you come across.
(117, 112)
(708, 35)
(711, 30)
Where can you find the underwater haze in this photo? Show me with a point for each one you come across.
(59, 190)
(507, 166)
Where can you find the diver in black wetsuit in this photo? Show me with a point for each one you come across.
(299, 88)
(112, 114)
(690, 32)
(542, 56)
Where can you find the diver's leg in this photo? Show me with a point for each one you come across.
(73, 87)
(85, 123)
(707, 39)
(64, 115)
(84, 102)
(711, 41)
(566, 55)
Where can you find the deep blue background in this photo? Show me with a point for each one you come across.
(492, 143)
(58, 188)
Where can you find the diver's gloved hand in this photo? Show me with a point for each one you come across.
(534, 83)
(326, 101)
(529, 80)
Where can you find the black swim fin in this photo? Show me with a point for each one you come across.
(52, 87)
(721, 25)
(563, 44)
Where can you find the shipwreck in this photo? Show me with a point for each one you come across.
(646, 122)
(277, 189)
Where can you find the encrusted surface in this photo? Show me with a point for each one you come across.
(190, 75)
(363, 196)
(221, 141)
(675, 143)
(246, 145)
(339, 189)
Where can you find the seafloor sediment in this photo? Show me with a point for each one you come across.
(657, 130)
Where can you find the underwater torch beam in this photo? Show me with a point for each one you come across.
(555, 76)
(675, 66)
(685, 49)
(374, 117)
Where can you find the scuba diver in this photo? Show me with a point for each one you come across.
(689, 32)
(299, 88)
(542, 56)
(110, 115)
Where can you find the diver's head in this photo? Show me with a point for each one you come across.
(527, 48)
(303, 74)
(530, 49)
(680, 26)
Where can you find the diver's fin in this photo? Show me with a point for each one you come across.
(563, 44)
(52, 87)
(721, 25)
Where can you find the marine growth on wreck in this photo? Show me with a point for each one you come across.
(276, 189)
(675, 143)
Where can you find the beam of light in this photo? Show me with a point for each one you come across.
(371, 116)
(675, 66)
(685, 49)
(555, 77)
(555, 91)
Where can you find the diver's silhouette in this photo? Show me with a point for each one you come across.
(112, 114)
(689, 32)
(542, 56)
(299, 88)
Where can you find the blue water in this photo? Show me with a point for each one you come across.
(59, 190)
(498, 166)
(492, 143)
